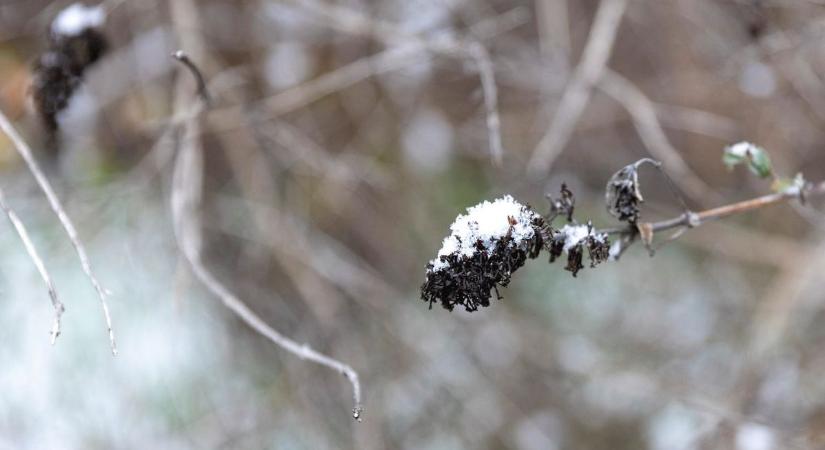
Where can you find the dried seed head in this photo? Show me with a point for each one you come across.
(562, 206)
(488, 244)
(75, 43)
(573, 239)
(622, 194)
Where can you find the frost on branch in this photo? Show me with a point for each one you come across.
(486, 245)
(75, 43)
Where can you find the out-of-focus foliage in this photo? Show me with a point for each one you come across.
(323, 211)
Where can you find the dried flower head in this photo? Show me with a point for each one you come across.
(75, 43)
(622, 195)
(573, 240)
(486, 245)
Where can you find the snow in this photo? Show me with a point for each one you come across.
(741, 149)
(487, 222)
(77, 18)
(615, 250)
(574, 234)
(752, 436)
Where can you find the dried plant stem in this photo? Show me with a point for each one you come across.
(183, 58)
(38, 262)
(57, 207)
(694, 219)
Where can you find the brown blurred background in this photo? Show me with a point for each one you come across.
(338, 151)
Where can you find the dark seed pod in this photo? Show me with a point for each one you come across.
(622, 195)
(74, 44)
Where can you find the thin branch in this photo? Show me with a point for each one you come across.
(59, 309)
(482, 60)
(186, 201)
(579, 88)
(391, 34)
(184, 59)
(643, 112)
(57, 207)
(695, 219)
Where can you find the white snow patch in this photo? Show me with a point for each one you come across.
(574, 234)
(77, 18)
(487, 222)
(752, 436)
(615, 250)
(742, 149)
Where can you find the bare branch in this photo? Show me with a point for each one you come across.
(38, 262)
(481, 57)
(57, 207)
(694, 219)
(579, 88)
(186, 202)
(183, 58)
(351, 21)
(643, 112)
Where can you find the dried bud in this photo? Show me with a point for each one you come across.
(622, 195)
(562, 206)
(488, 244)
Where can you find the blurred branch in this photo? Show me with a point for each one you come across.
(183, 58)
(38, 262)
(352, 21)
(186, 201)
(579, 88)
(643, 112)
(57, 207)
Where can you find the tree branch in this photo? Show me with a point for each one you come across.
(28, 156)
(38, 262)
(186, 202)
(694, 219)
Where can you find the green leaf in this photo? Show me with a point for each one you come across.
(755, 157)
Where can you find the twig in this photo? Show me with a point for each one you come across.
(695, 219)
(579, 88)
(351, 21)
(183, 58)
(643, 112)
(482, 60)
(38, 262)
(186, 200)
(27, 154)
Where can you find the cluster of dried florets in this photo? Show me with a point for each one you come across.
(494, 239)
(75, 43)
(574, 240)
(487, 244)
(622, 194)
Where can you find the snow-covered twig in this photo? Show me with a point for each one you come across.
(57, 207)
